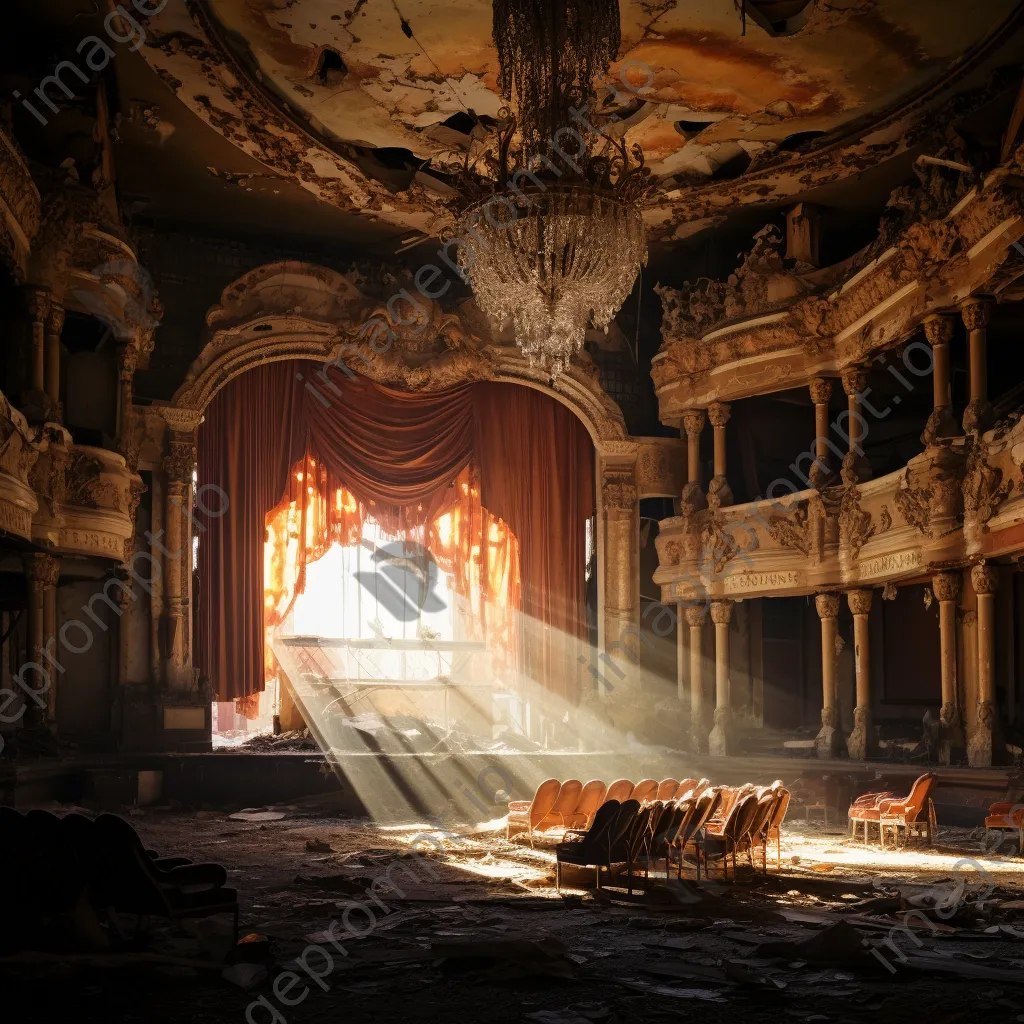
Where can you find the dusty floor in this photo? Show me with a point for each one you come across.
(656, 959)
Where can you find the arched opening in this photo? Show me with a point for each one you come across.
(435, 544)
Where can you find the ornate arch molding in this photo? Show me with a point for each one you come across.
(292, 310)
(20, 207)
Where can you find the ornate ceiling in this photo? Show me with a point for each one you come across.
(374, 118)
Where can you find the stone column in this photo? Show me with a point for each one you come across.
(179, 464)
(38, 310)
(682, 654)
(720, 742)
(719, 493)
(978, 414)
(821, 392)
(946, 588)
(855, 380)
(54, 327)
(696, 616)
(981, 743)
(939, 332)
(42, 572)
(827, 743)
(693, 424)
(859, 742)
(622, 583)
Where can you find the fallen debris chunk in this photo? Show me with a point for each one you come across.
(840, 943)
(257, 816)
(245, 976)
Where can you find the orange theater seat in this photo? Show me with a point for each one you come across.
(1005, 817)
(590, 799)
(645, 789)
(667, 789)
(619, 790)
(528, 814)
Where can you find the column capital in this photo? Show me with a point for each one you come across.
(718, 413)
(827, 605)
(946, 586)
(938, 329)
(976, 312)
(693, 422)
(860, 601)
(984, 579)
(696, 615)
(180, 460)
(38, 302)
(54, 318)
(721, 612)
(855, 380)
(42, 570)
(618, 493)
(821, 390)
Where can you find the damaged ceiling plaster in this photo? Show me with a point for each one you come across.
(372, 117)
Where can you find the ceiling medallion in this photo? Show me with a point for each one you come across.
(553, 236)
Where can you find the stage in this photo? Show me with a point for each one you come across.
(473, 786)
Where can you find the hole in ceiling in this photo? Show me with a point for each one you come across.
(779, 17)
(330, 68)
(792, 143)
(732, 168)
(392, 165)
(263, 327)
(461, 122)
(691, 128)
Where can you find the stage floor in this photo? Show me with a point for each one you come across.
(400, 786)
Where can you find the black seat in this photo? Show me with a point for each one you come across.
(126, 879)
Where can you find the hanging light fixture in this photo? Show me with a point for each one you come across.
(553, 249)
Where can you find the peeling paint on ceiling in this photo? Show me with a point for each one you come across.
(383, 103)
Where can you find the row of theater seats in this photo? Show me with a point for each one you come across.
(703, 825)
(572, 804)
(59, 862)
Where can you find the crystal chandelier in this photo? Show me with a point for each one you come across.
(554, 249)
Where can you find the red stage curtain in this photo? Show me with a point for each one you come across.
(399, 453)
(250, 437)
(537, 474)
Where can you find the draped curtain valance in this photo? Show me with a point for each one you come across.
(403, 457)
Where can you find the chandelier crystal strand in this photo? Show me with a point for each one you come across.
(555, 249)
(568, 260)
(548, 52)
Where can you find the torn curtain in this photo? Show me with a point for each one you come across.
(499, 462)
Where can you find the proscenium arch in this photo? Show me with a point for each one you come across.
(262, 313)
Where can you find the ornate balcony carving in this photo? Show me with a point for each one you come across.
(953, 503)
(100, 499)
(774, 325)
(18, 455)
